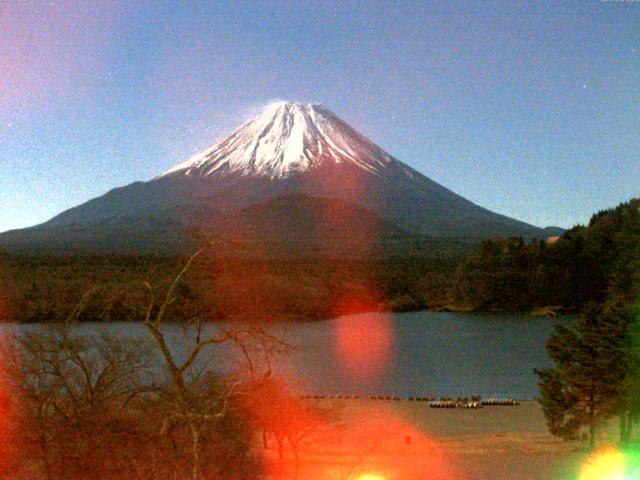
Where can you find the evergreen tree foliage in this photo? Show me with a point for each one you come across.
(597, 263)
(630, 402)
(587, 384)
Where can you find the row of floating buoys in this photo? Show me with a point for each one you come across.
(500, 402)
(331, 397)
(454, 404)
(444, 402)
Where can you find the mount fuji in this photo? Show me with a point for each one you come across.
(295, 177)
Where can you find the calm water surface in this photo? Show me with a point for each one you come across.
(422, 353)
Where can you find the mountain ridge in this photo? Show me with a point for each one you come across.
(290, 149)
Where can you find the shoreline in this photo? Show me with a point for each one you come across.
(535, 313)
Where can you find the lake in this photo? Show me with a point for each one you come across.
(404, 354)
(429, 354)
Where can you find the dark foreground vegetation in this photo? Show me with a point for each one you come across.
(594, 263)
(78, 405)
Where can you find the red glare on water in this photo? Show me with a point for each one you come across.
(364, 345)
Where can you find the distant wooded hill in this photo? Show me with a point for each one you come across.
(599, 263)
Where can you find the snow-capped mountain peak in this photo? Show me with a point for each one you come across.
(293, 171)
(287, 138)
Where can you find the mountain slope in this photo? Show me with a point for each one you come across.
(291, 149)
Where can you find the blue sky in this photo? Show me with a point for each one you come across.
(530, 109)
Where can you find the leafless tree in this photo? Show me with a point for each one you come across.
(72, 392)
(288, 418)
(92, 403)
(191, 403)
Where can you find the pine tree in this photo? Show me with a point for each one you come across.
(630, 405)
(587, 384)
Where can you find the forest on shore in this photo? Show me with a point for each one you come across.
(596, 263)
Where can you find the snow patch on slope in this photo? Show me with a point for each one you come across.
(287, 138)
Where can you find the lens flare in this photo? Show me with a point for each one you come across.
(607, 465)
(364, 345)
(611, 464)
(370, 476)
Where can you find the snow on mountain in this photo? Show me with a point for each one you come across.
(288, 138)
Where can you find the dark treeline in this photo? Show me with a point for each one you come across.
(595, 263)
(598, 263)
(112, 288)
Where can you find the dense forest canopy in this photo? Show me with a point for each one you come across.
(111, 288)
(598, 263)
